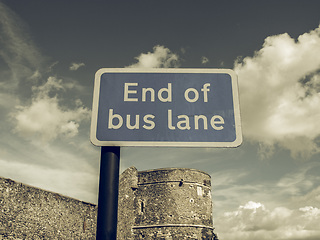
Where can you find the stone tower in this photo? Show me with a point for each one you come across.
(169, 203)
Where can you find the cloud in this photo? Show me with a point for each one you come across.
(76, 66)
(204, 60)
(254, 220)
(42, 108)
(45, 117)
(280, 93)
(21, 57)
(296, 183)
(161, 57)
(311, 198)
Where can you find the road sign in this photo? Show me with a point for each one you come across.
(166, 107)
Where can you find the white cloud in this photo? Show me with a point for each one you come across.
(228, 177)
(41, 111)
(296, 183)
(76, 66)
(161, 57)
(18, 51)
(51, 84)
(45, 117)
(254, 221)
(291, 188)
(280, 93)
(311, 198)
(204, 60)
(310, 212)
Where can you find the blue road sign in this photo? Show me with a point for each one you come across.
(166, 107)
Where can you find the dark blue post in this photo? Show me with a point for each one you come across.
(108, 194)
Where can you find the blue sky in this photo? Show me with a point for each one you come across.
(268, 188)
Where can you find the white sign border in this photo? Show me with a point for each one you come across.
(95, 106)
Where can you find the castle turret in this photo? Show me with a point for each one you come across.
(169, 203)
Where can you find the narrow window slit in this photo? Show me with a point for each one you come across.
(180, 183)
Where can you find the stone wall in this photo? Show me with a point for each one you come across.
(31, 213)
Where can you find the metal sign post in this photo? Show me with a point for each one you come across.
(158, 107)
(108, 194)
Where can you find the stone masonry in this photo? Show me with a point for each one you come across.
(170, 203)
(31, 213)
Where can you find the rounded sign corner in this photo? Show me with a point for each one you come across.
(95, 141)
(238, 142)
(100, 71)
(232, 74)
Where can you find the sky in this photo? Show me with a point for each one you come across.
(268, 188)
